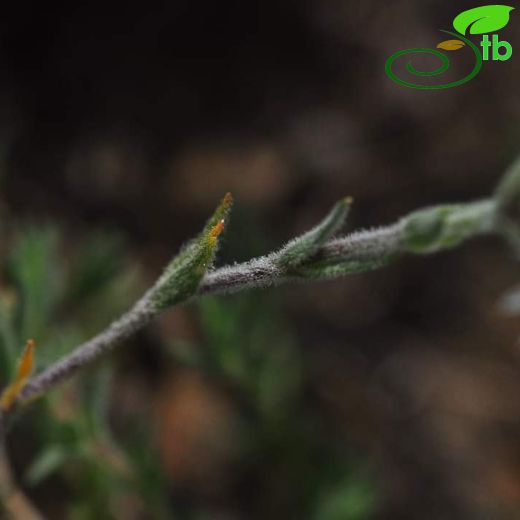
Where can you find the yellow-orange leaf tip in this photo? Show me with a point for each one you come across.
(25, 365)
(348, 201)
(228, 198)
(217, 229)
(451, 45)
(23, 372)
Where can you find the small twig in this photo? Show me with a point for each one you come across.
(376, 244)
(305, 258)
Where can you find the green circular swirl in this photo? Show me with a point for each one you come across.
(445, 63)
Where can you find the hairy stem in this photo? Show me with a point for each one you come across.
(422, 232)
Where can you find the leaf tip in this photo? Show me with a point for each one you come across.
(23, 372)
(27, 360)
(228, 198)
(225, 204)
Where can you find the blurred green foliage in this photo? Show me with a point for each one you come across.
(60, 296)
(304, 475)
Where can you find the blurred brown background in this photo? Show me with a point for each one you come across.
(136, 118)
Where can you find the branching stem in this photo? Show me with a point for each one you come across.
(424, 231)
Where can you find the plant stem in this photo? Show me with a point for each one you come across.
(421, 232)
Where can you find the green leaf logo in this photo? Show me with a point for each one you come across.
(484, 19)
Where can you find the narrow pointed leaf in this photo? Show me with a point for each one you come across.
(23, 372)
(220, 214)
(185, 272)
(46, 463)
(304, 246)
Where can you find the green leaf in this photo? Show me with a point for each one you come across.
(37, 272)
(99, 259)
(95, 393)
(301, 248)
(484, 19)
(441, 227)
(185, 272)
(278, 378)
(507, 193)
(350, 499)
(8, 341)
(507, 197)
(248, 343)
(45, 464)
